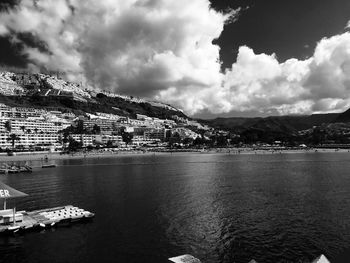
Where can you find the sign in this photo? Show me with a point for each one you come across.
(4, 193)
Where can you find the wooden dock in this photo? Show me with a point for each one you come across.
(44, 218)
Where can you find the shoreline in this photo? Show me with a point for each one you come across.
(49, 156)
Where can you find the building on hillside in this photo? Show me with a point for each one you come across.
(159, 134)
(27, 79)
(8, 86)
(29, 140)
(142, 117)
(9, 112)
(85, 139)
(105, 125)
(115, 140)
(141, 140)
(33, 125)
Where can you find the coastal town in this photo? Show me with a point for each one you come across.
(202, 131)
(40, 112)
(53, 129)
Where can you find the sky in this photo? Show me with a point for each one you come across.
(217, 58)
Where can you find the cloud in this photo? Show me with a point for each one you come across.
(140, 47)
(163, 50)
(347, 25)
(259, 83)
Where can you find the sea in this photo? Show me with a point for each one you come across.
(280, 207)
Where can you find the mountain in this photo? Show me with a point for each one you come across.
(49, 91)
(343, 117)
(280, 124)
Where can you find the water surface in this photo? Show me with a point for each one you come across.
(219, 208)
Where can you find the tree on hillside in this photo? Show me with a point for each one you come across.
(188, 141)
(110, 144)
(13, 138)
(74, 145)
(80, 127)
(8, 126)
(127, 137)
(174, 139)
(96, 129)
(318, 136)
(23, 128)
(63, 139)
(60, 139)
(221, 141)
(199, 141)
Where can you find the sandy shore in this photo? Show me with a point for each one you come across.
(57, 156)
(37, 156)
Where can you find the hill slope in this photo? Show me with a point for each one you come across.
(343, 117)
(283, 124)
(46, 91)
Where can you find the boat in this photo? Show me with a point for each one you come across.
(185, 259)
(25, 169)
(14, 169)
(48, 166)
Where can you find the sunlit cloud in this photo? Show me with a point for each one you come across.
(164, 50)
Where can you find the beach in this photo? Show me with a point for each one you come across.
(37, 156)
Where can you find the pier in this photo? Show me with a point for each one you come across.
(12, 221)
(40, 219)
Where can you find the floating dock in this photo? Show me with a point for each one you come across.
(41, 219)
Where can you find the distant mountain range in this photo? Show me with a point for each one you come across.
(278, 124)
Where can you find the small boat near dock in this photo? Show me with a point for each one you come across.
(48, 166)
(14, 169)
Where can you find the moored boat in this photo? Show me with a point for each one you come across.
(48, 165)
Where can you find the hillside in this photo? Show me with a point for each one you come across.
(46, 91)
(54, 93)
(343, 117)
(281, 124)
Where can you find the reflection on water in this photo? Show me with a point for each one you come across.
(220, 208)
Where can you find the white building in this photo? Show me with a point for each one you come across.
(28, 140)
(35, 125)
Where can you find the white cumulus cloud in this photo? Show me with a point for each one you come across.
(163, 50)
